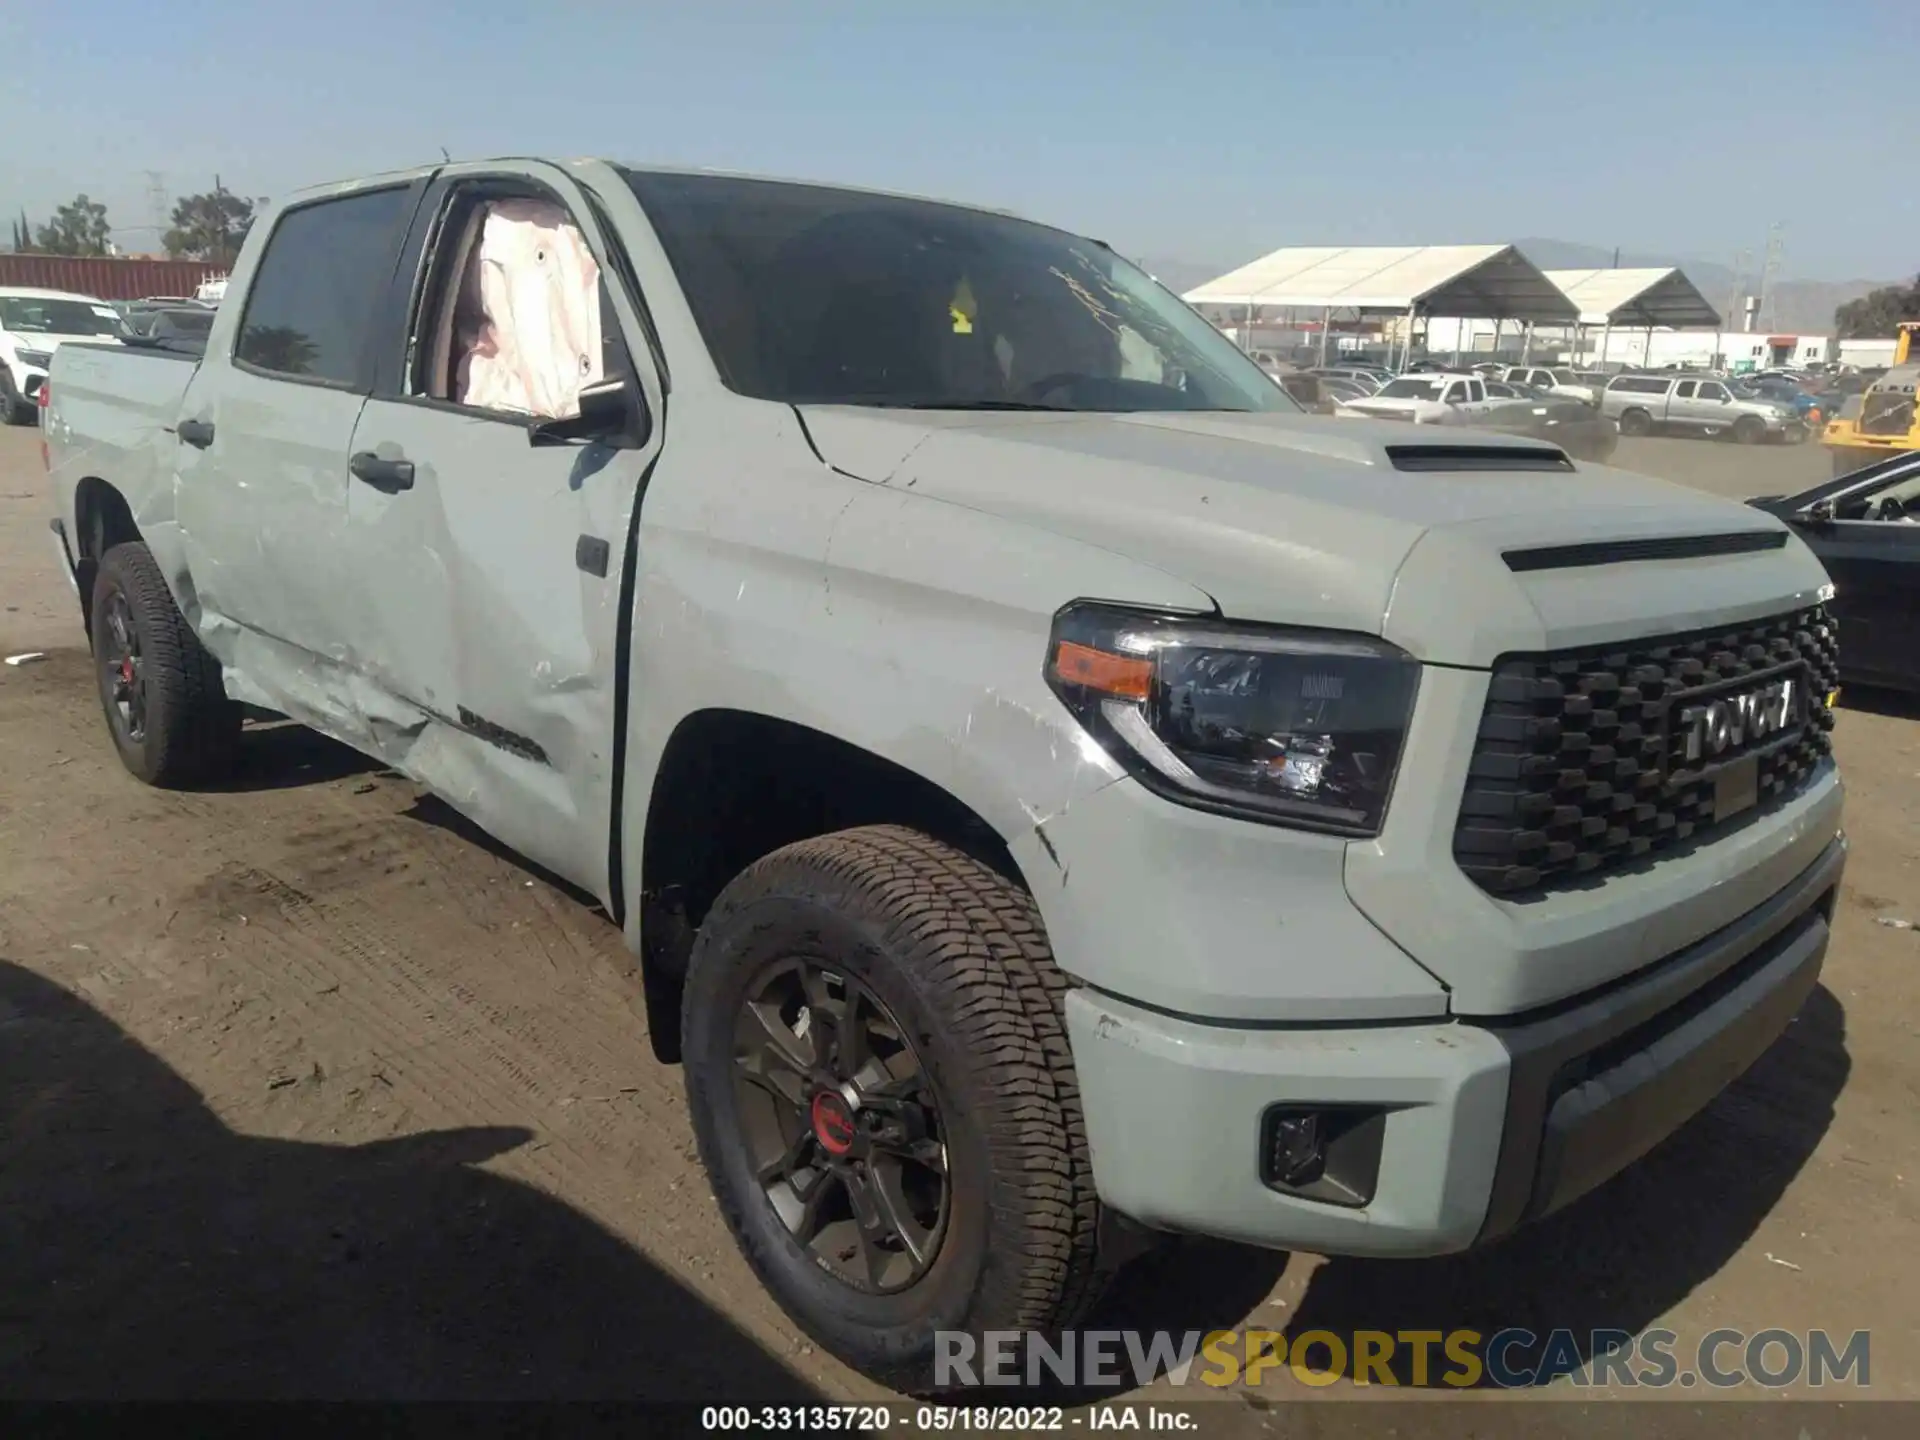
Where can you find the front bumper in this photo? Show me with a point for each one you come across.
(1486, 1125)
(27, 380)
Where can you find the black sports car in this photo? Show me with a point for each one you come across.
(1865, 527)
(1576, 427)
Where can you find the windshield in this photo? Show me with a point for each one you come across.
(1425, 387)
(806, 294)
(30, 316)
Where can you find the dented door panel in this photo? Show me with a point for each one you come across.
(490, 580)
(474, 610)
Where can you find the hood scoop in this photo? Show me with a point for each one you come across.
(1457, 459)
(1615, 552)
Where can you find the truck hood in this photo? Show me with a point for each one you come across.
(1308, 520)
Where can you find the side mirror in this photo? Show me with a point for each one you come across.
(607, 413)
(1820, 512)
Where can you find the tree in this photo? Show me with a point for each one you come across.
(1878, 312)
(279, 348)
(210, 227)
(22, 235)
(78, 227)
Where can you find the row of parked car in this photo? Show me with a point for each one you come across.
(35, 323)
(1534, 398)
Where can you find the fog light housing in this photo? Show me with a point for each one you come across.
(1329, 1153)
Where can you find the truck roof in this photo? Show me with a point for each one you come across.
(420, 172)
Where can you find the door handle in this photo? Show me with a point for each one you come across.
(387, 476)
(197, 433)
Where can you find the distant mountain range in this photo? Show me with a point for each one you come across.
(1799, 306)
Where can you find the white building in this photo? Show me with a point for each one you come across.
(1867, 354)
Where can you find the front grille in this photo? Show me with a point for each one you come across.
(1581, 766)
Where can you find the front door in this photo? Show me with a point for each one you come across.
(1875, 567)
(1715, 406)
(1871, 548)
(493, 565)
(1683, 405)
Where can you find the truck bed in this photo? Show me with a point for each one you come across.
(112, 408)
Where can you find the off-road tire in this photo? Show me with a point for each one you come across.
(1636, 422)
(958, 953)
(192, 731)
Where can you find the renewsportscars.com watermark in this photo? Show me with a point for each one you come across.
(1463, 1359)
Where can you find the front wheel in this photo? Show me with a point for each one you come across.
(1636, 422)
(884, 1100)
(1749, 430)
(166, 707)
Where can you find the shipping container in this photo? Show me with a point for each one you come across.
(106, 278)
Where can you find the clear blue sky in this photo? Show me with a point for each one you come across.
(1206, 131)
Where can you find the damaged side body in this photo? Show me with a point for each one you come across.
(657, 521)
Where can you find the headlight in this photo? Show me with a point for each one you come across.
(1295, 727)
(39, 359)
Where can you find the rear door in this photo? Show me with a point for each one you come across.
(492, 570)
(262, 438)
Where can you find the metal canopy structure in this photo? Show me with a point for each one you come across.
(1494, 282)
(1636, 298)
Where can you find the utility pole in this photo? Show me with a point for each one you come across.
(1776, 250)
(1741, 260)
(158, 204)
(158, 207)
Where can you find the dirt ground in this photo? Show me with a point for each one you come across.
(306, 1089)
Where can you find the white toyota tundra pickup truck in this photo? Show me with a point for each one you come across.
(1055, 791)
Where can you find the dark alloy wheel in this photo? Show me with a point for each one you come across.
(123, 680)
(1749, 430)
(885, 1100)
(1636, 422)
(162, 694)
(842, 1125)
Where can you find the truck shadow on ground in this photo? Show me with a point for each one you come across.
(1628, 1252)
(147, 1251)
(279, 754)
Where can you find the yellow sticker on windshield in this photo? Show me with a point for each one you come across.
(962, 308)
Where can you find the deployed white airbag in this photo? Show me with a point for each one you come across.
(539, 291)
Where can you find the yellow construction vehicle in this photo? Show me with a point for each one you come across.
(1881, 421)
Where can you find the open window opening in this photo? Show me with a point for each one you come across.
(517, 319)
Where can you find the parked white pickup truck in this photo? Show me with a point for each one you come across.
(1438, 398)
(1055, 790)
